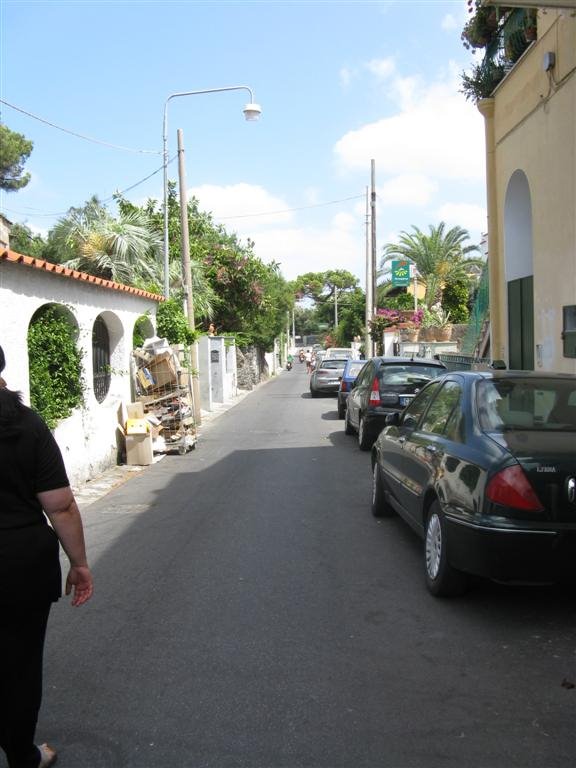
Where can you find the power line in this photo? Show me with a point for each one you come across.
(289, 210)
(30, 212)
(79, 135)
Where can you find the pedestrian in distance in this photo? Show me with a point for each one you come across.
(308, 358)
(34, 489)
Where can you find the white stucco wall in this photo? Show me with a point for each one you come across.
(89, 438)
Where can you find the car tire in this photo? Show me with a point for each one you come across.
(364, 439)
(442, 579)
(380, 507)
(313, 393)
(348, 428)
(341, 411)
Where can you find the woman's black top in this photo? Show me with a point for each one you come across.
(30, 462)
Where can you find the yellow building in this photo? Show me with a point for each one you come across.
(530, 122)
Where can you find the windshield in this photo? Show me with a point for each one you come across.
(400, 375)
(534, 404)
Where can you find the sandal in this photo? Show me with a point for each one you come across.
(48, 756)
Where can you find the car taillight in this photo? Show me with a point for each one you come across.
(510, 488)
(343, 386)
(375, 393)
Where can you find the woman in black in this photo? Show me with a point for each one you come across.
(34, 488)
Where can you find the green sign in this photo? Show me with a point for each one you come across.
(400, 272)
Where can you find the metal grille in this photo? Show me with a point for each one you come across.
(101, 359)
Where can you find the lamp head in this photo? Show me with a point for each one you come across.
(252, 111)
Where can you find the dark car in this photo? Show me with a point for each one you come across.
(351, 371)
(383, 386)
(325, 378)
(483, 466)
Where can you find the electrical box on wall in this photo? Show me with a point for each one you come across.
(549, 61)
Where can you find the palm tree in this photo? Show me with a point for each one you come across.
(126, 250)
(440, 257)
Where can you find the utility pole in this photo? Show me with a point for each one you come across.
(185, 250)
(369, 299)
(373, 238)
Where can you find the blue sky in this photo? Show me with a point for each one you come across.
(339, 83)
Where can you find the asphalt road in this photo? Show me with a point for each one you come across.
(250, 613)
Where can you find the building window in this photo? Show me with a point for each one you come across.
(101, 359)
(569, 330)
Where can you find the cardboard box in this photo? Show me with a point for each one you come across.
(137, 426)
(139, 450)
(164, 372)
(145, 378)
(135, 411)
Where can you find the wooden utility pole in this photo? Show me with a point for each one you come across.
(369, 299)
(185, 251)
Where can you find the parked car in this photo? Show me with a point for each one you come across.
(482, 465)
(351, 371)
(325, 378)
(383, 386)
(341, 352)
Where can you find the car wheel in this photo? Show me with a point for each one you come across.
(441, 579)
(364, 439)
(341, 410)
(380, 507)
(313, 393)
(348, 428)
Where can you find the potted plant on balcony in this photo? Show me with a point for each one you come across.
(427, 325)
(410, 328)
(442, 324)
(482, 80)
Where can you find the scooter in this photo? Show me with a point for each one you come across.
(288, 365)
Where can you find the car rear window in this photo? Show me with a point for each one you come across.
(408, 374)
(355, 367)
(534, 404)
(333, 364)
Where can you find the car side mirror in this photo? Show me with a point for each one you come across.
(393, 419)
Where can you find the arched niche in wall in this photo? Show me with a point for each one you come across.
(55, 362)
(519, 271)
(143, 329)
(107, 353)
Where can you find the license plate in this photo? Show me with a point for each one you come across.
(405, 400)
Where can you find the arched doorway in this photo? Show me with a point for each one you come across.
(519, 270)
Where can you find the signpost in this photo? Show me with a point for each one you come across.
(401, 273)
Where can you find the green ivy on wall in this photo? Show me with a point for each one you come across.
(55, 365)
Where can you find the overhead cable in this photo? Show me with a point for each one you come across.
(79, 135)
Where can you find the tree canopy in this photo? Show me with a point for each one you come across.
(15, 149)
(440, 257)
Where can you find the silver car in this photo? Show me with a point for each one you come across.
(325, 378)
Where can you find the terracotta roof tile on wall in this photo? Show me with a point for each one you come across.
(60, 269)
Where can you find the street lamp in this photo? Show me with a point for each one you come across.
(251, 111)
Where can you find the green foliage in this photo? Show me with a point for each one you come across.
(125, 250)
(399, 301)
(56, 383)
(15, 149)
(456, 299)
(481, 81)
(23, 240)
(172, 323)
(440, 257)
(140, 328)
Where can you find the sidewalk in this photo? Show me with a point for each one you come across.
(99, 486)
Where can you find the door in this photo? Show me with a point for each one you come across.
(521, 324)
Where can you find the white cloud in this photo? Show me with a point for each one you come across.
(407, 189)
(449, 22)
(382, 68)
(345, 77)
(435, 133)
(241, 200)
(313, 250)
(471, 217)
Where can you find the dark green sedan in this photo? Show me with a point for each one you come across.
(482, 465)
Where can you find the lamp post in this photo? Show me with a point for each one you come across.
(252, 111)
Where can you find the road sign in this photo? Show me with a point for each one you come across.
(400, 272)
